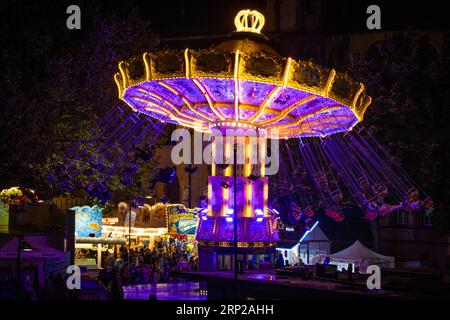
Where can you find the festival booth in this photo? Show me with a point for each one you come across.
(310, 246)
(36, 258)
(148, 223)
(159, 226)
(140, 227)
(360, 257)
(90, 242)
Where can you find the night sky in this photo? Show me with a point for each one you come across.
(191, 18)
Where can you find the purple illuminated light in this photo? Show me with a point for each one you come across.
(220, 90)
(254, 92)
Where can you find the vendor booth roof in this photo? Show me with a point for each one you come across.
(357, 251)
(38, 250)
(288, 240)
(101, 240)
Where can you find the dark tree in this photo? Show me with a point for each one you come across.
(408, 78)
(57, 83)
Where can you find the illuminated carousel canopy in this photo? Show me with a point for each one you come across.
(242, 82)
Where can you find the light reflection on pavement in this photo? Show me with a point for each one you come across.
(164, 291)
(262, 276)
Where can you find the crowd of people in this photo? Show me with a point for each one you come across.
(120, 267)
(145, 265)
(28, 288)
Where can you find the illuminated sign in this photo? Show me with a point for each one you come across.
(88, 221)
(181, 221)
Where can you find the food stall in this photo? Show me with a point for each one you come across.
(90, 239)
(148, 223)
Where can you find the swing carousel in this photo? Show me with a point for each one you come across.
(244, 89)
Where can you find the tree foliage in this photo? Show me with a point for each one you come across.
(57, 84)
(408, 78)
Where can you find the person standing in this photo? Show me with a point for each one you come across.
(280, 262)
(109, 262)
(116, 290)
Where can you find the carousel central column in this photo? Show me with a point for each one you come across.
(251, 185)
(237, 191)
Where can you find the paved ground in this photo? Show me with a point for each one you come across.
(329, 287)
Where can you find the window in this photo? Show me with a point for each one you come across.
(402, 217)
(427, 218)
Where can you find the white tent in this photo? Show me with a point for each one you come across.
(361, 257)
(312, 245)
